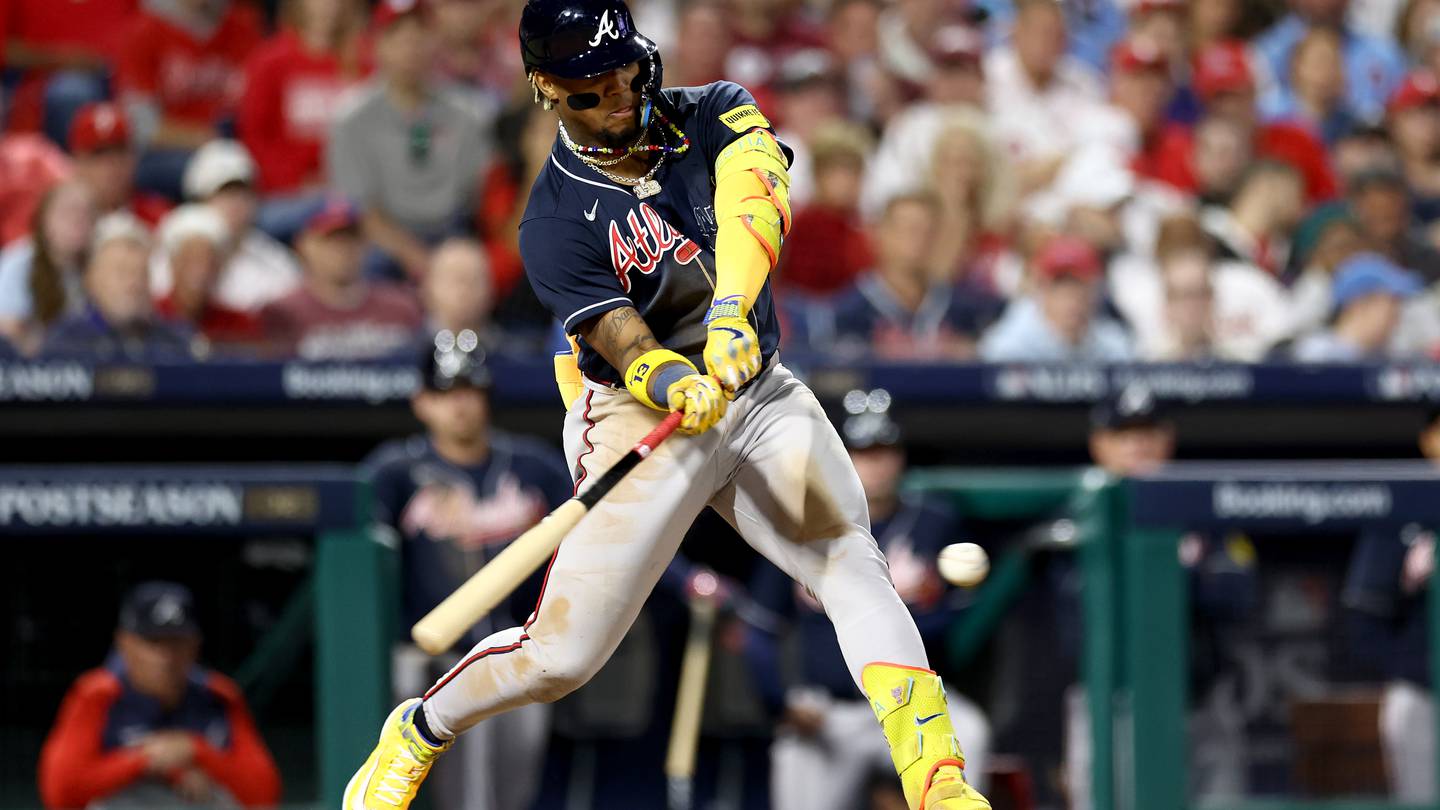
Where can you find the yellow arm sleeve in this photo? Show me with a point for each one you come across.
(752, 212)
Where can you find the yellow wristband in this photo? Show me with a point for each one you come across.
(650, 376)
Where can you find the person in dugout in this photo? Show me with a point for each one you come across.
(457, 495)
(1386, 592)
(1133, 434)
(151, 727)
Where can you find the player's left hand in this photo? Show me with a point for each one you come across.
(700, 398)
(732, 352)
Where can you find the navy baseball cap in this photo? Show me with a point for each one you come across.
(454, 361)
(1368, 273)
(1132, 407)
(157, 610)
(331, 214)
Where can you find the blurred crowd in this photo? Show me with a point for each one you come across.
(1002, 180)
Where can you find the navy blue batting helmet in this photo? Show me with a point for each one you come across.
(578, 39)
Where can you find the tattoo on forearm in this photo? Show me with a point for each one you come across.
(620, 336)
(614, 323)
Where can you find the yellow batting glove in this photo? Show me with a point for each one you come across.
(732, 351)
(666, 381)
(699, 397)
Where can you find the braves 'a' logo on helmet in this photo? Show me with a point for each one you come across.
(604, 29)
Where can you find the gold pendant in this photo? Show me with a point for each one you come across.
(647, 188)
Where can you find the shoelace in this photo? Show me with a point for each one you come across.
(400, 774)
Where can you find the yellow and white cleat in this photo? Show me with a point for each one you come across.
(910, 705)
(391, 777)
(948, 790)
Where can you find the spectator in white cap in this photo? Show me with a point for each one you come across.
(256, 268)
(119, 321)
(194, 241)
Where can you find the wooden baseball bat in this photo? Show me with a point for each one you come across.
(690, 698)
(438, 631)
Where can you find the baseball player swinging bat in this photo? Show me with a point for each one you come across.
(447, 622)
(650, 234)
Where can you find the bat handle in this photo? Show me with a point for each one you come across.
(662, 431)
(680, 793)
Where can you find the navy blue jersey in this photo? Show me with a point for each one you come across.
(134, 715)
(911, 539)
(589, 245)
(454, 519)
(1388, 627)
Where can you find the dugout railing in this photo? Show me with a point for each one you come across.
(1125, 533)
(1134, 660)
(348, 600)
(1148, 597)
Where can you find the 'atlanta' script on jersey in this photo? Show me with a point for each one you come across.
(650, 238)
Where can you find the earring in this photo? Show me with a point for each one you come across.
(545, 102)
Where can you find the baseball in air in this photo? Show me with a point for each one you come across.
(963, 564)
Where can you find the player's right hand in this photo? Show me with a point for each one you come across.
(700, 398)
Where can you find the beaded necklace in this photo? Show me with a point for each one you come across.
(590, 161)
(641, 145)
(645, 186)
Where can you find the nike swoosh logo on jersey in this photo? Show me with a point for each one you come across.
(590, 215)
(920, 721)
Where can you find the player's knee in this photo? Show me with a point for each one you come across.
(561, 677)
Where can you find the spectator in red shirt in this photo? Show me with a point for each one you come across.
(1226, 84)
(525, 137)
(65, 50)
(29, 164)
(195, 240)
(104, 160)
(1412, 118)
(337, 313)
(181, 77)
(1140, 92)
(827, 246)
(294, 84)
(152, 727)
(765, 33)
